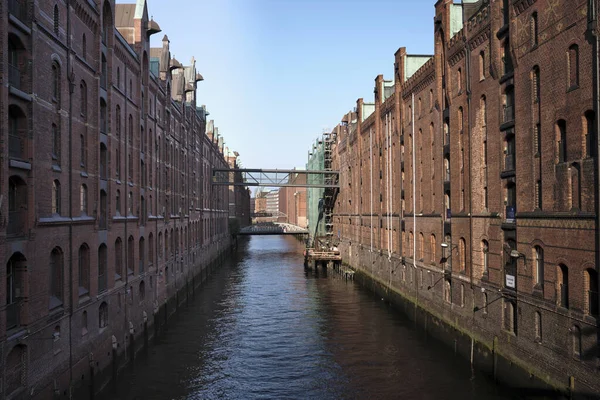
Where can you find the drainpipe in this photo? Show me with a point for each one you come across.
(414, 179)
(594, 30)
(71, 79)
(126, 194)
(468, 89)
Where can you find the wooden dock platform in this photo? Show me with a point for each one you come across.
(319, 255)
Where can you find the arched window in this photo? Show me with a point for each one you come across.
(83, 47)
(575, 189)
(485, 251)
(55, 145)
(56, 197)
(591, 297)
(160, 246)
(142, 255)
(562, 283)
(462, 255)
(576, 341)
(538, 327)
(459, 80)
(84, 270)
(130, 256)
(118, 259)
(433, 249)
(56, 278)
(533, 29)
(102, 268)
(447, 291)
(150, 249)
(103, 315)
(118, 202)
(56, 83)
(84, 99)
(103, 161)
(84, 323)
(56, 20)
(561, 140)
(589, 138)
(482, 65)
(510, 317)
(573, 66)
(538, 265)
(421, 246)
(83, 199)
(102, 223)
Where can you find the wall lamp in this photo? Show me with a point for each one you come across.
(516, 255)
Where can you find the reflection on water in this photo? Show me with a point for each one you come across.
(264, 327)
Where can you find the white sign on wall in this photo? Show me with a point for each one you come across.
(510, 281)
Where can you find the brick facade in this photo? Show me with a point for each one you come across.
(108, 212)
(470, 181)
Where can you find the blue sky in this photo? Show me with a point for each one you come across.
(278, 72)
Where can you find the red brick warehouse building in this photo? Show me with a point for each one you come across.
(468, 186)
(108, 216)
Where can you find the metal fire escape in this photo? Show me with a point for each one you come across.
(330, 192)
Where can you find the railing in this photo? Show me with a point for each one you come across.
(510, 214)
(593, 302)
(16, 222)
(12, 315)
(18, 8)
(509, 113)
(14, 76)
(15, 146)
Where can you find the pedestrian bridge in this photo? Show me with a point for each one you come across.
(273, 228)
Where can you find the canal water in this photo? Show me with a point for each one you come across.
(263, 327)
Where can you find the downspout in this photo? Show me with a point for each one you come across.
(126, 194)
(595, 5)
(468, 87)
(71, 79)
(414, 180)
(371, 188)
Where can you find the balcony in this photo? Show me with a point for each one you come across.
(14, 76)
(18, 8)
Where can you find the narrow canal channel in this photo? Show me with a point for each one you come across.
(264, 327)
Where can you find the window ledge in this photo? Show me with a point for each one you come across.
(56, 168)
(20, 94)
(25, 165)
(84, 174)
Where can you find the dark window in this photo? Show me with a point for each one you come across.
(573, 65)
(103, 315)
(102, 269)
(56, 278)
(56, 197)
(84, 270)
